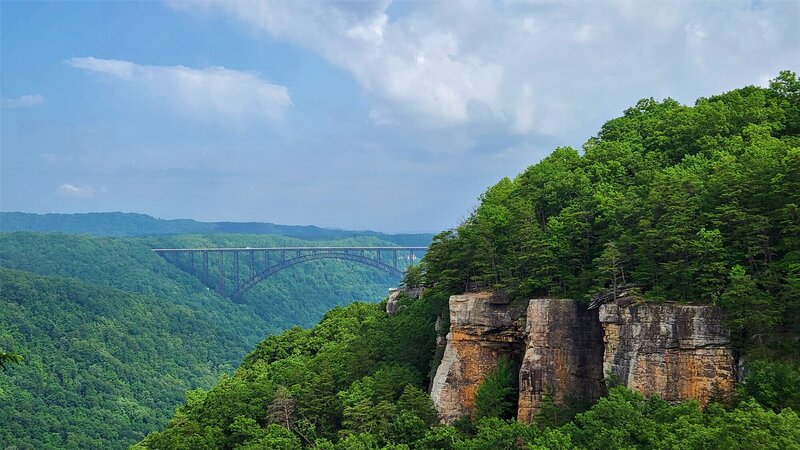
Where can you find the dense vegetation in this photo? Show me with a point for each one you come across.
(113, 335)
(358, 371)
(102, 366)
(357, 381)
(691, 204)
(130, 224)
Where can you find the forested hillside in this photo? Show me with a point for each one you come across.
(299, 295)
(695, 204)
(692, 204)
(113, 335)
(130, 224)
(357, 381)
(102, 366)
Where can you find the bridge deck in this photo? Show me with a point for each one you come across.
(246, 249)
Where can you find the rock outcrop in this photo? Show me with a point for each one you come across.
(483, 327)
(563, 356)
(394, 296)
(674, 351)
(568, 352)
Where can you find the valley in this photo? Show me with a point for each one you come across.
(113, 335)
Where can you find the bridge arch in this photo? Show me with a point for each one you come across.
(285, 264)
(261, 263)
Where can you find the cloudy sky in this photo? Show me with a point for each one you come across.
(379, 115)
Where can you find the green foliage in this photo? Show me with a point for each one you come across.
(418, 403)
(494, 433)
(7, 358)
(774, 384)
(751, 311)
(352, 381)
(103, 367)
(552, 415)
(111, 349)
(413, 278)
(697, 204)
(496, 395)
(628, 420)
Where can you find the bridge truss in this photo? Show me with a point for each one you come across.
(249, 266)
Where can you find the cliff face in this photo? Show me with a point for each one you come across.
(674, 351)
(563, 355)
(483, 327)
(394, 297)
(566, 351)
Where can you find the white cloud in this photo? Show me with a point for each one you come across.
(424, 72)
(544, 67)
(71, 191)
(25, 101)
(213, 93)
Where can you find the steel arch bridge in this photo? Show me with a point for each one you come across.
(258, 264)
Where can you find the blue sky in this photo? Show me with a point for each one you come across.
(361, 115)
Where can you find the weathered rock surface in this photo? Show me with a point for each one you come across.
(674, 351)
(563, 355)
(483, 327)
(394, 296)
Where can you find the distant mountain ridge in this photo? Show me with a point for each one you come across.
(118, 224)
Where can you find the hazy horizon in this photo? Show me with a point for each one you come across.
(229, 221)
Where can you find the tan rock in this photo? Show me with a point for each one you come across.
(563, 356)
(392, 304)
(483, 327)
(674, 351)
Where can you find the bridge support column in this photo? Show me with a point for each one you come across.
(205, 268)
(235, 271)
(221, 275)
(252, 264)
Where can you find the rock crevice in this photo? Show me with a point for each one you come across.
(563, 356)
(483, 327)
(569, 353)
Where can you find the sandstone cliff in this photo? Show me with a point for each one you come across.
(674, 351)
(566, 351)
(563, 355)
(392, 303)
(483, 327)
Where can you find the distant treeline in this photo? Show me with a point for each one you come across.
(131, 224)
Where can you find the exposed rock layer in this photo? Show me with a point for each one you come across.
(563, 356)
(673, 351)
(392, 303)
(483, 327)
(676, 352)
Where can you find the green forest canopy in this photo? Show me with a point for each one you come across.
(113, 335)
(357, 381)
(695, 204)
